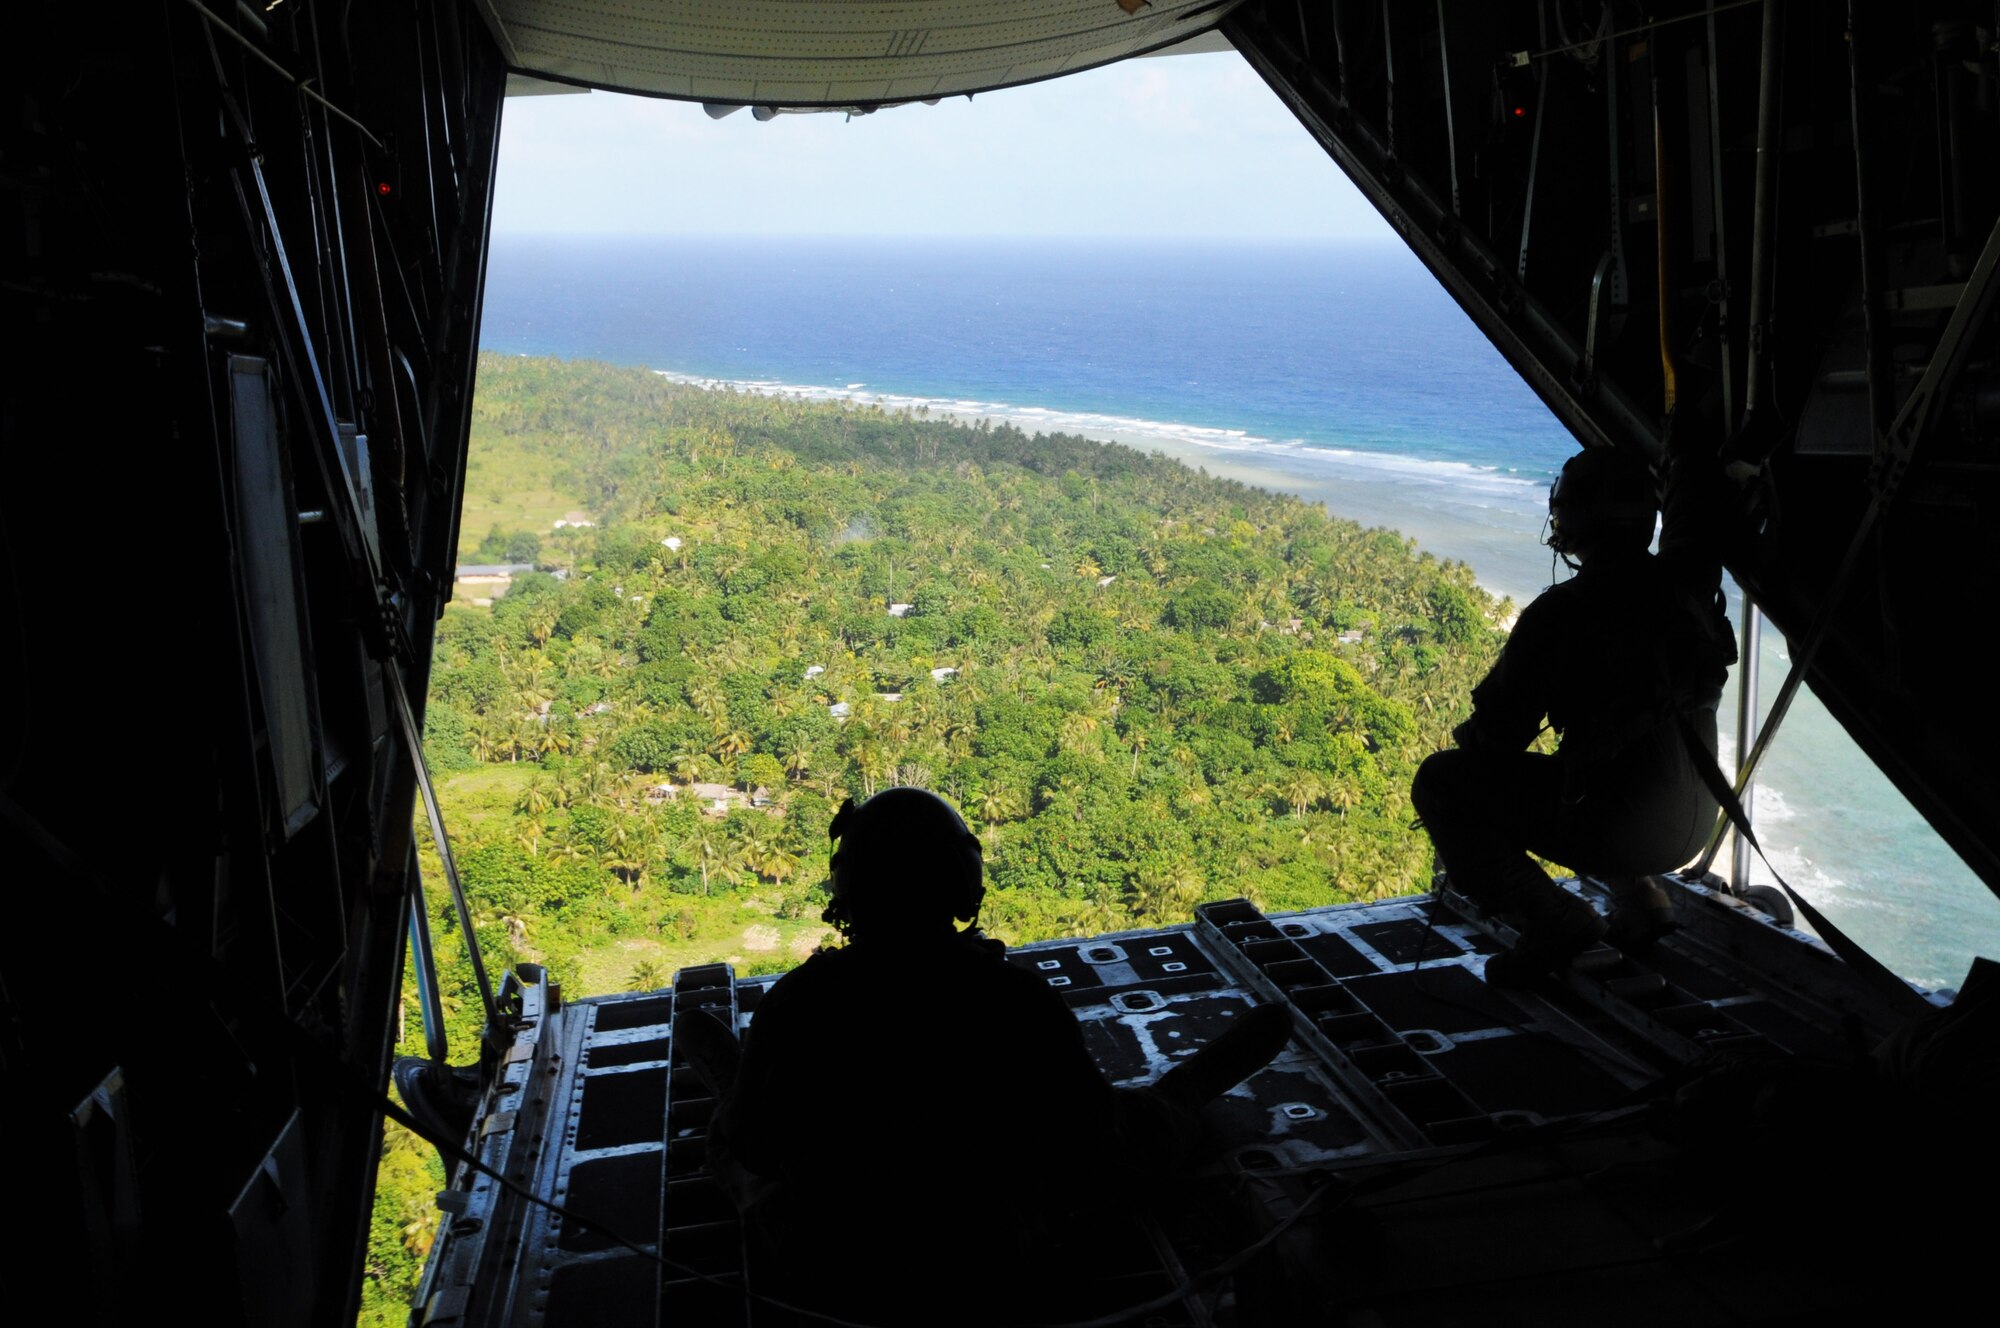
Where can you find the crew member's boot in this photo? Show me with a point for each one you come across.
(1555, 927)
(1641, 913)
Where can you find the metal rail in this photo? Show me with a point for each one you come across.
(413, 740)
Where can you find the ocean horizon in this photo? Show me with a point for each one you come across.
(1337, 371)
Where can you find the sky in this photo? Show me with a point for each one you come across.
(1190, 145)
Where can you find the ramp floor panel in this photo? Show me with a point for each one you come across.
(1402, 1058)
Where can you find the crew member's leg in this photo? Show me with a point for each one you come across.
(1485, 811)
(1246, 1047)
(1156, 1126)
(1647, 813)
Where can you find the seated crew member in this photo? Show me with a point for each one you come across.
(911, 1105)
(1626, 660)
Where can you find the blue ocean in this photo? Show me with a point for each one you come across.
(1338, 371)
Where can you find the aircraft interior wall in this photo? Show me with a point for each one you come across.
(243, 262)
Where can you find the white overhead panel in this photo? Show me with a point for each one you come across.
(848, 54)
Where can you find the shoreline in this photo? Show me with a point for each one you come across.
(1487, 520)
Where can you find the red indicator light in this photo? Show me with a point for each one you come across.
(1519, 111)
(383, 187)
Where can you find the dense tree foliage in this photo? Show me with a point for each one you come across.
(1144, 686)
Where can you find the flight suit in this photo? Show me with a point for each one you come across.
(1626, 661)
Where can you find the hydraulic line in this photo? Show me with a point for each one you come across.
(1747, 670)
(1663, 280)
(430, 1001)
(1762, 209)
(413, 739)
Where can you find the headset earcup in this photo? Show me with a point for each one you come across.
(972, 882)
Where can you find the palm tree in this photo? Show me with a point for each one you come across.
(593, 782)
(585, 659)
(687, 764)
(487, 738)
(1300, 789)
(625, 852)
(798, 758)
(708, 702)
(751, 847)
(551, 740)
(1076, 729)
(706, 845)
(780, 862)
(520, 738)
(993, 805)
(870, 764)
(567, 845)
(419, 1227)
(534, 799)
(958, 737)
(542, 624)
(1167, 895)
(649, 974)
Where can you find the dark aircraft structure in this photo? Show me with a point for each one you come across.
(243, 260)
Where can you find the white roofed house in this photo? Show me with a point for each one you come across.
(490, 573)
(716, 799)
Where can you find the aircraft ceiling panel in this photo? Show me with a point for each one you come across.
(858, 53)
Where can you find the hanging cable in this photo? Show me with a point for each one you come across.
(216, 24)
(1519, 59)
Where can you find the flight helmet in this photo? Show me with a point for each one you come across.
(1603, 500)
(904, 858)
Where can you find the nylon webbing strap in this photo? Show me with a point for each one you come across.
(1900, 993)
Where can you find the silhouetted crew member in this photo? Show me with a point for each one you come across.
(1626, 661)
(911, 1106)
